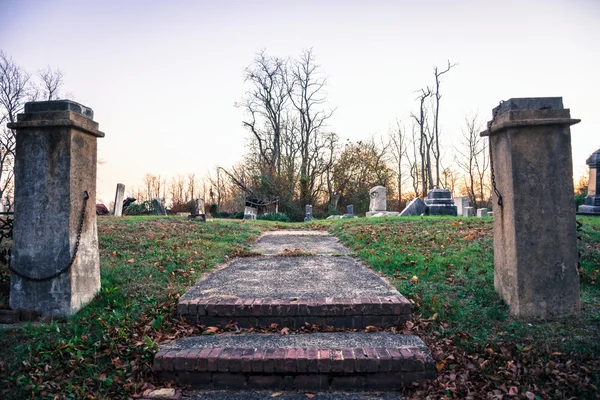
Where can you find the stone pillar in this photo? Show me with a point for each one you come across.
(591, 204)
(119, 195)
(309, 213)
(535, 252)
(55, 166)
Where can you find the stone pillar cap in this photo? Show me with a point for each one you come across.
(57, 113)
(59, 105)
(594, 160)
(529, 111)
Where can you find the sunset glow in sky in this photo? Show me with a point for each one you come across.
(162, 76)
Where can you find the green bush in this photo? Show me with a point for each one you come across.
(144, 208)
(279, 217)
(239, 215)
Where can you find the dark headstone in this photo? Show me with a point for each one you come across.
(439, 202)
(413, 208)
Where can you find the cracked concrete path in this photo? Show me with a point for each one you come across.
(315, 242)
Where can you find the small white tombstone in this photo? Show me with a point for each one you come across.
(482, 212)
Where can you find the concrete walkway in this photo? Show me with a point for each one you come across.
(300, 277)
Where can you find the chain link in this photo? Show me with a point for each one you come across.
(489, 129)
(86, 196)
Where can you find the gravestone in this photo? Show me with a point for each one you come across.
(482, 212)
(250, 212)
(414, 208)
(591, 203)
(119, 195)
(159, 209)
(468, 212)
(350, 210)
(55, 262)
(439, 202)
(461, 203)
(535, 242)
(198, 214)
(378, 200)
(309, 213)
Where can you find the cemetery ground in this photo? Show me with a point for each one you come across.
(443, 265)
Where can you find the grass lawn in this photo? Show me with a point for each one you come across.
(443, 265)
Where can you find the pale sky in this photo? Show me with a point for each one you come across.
(162, 76)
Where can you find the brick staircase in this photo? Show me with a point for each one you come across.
(291, 291)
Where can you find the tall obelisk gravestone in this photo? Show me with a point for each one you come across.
(55, 209)
(535, 243)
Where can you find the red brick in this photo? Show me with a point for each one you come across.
(419, 359)
(265, 307)
(9, 316)
(269, 362)
(223, 362)
(303, 307)
(201, 360)
(324, 361)
(347, 382)
(235, 361)
(376, 308)
(301, 360)
(256, 307)
(372, 359)
(201, 308)
(397, 359)
(350, 363)
(372, 320)
(257, 360)
(409, 363)
(292, 308)
(347, 307)
(312, 360)
(279, 358)
(357, 322)
(190, 360)
(212, 307)
(311, 382)
(290, 361)
(383, 381)
(288, 382)
(265, 381)
(193, 307)
(337, 361)
(247, 355)
(213, 358)
(168, 361)
(361, 360)
(385, 360)
(229, 381)
(247, 307)
(182, 307)
(158, 364)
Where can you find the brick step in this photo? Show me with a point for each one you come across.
(381, 311)
(317, 361)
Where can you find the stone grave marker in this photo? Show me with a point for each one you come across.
(591, 204)
(250, 212)
(482, 212)
(439, 202)
(461, 203)
(415, 207)
(119, 195)
(468, 212)
(309, 213)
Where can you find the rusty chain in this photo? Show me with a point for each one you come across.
(86, 196)
(489, 129)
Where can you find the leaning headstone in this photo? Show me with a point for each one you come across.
(439, 202)
(415, 207)
(461, 203)
(536, 274)
(119, 195)
(378, 201)
(159, 209)
(250, 212)
(309, 214)
(55, 263)
(591, 203)
(468, 212)
(482, 212)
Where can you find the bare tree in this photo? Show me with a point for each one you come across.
(413, 161)
(398, 151)
(265, 104)
(51, 82)
(424, 141)
(469, 155)
(436, 116)
(307, 95)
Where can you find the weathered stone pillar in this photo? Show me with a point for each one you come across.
(119, 195)
(535, 250)
(55, 172)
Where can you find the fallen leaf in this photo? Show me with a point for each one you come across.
(310, 396)
(414, 279)
(371, 328)
(131, 261)
(285, 331)
(276, 394)
(210, 330)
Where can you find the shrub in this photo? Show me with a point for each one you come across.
(144, 208)
(239, 215)
(279, 217)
